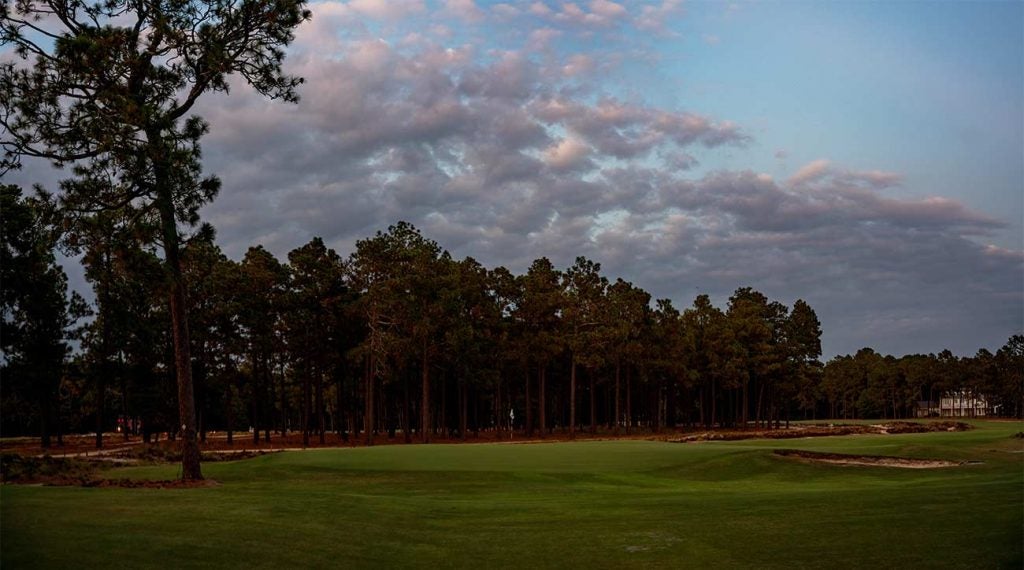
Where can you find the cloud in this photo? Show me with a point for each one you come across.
(597, 14)
(606, 9)
(810, 172)
(387, 9)
(567, 154)
(875, 178)
(822, 169)
(654, 18)
(578, 64)
(541, 9)
(626, 130)
(505, 10)
(508, 151)
(540, 39)
(466, 10)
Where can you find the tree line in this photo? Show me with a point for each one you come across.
(401, 340)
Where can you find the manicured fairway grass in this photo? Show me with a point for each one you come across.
(587, 504)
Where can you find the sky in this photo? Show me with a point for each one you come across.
(867, 157)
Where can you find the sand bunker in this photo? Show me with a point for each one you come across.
(867, 460)
(821, 430)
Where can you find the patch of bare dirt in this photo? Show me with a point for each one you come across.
(866, 460)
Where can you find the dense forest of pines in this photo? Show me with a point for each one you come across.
(400, 340)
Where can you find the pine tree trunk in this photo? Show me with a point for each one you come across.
(342, 415)
(593, 402)
(476, 414)
(284, 399)
(199, 379)
(101, 388)
(254, 394)
(714, 400)
(190, 457)
(700, 394)
(101, 381)
(529, 405)
(425, 413)
(380, 406)
(572, 399)
(443, 417)
(542, 394)
(746, 404)
(406, 408)
(629, 399)
(497, 408)
(268, 398)
(305, 405)
(44, 420)
(657, 397)
(618, 395)
(320, 405)
(463, 405)
(368, 414)
(760, 403)
(124, 406)
(670, 406)
(229, 415)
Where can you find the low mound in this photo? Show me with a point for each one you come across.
(867, 460)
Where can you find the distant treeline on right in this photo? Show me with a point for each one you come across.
(870, 385)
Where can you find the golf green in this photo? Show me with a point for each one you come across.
(588, 504)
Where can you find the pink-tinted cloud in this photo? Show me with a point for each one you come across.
(567, 154)
(655, 18)
(387, 9)
(466, 10)
(810, 172)
(821, 169)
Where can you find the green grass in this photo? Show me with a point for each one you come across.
(588, 504)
